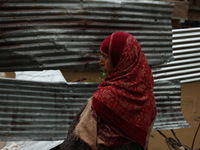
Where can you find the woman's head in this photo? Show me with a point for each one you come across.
(112, 49)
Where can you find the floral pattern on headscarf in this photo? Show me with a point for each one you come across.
(125, 102)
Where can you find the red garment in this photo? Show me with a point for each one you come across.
(125, 102)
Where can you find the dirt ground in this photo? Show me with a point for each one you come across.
(190, 103)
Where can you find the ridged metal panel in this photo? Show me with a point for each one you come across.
(43, 111)
(31, 145)
(168, 102)
(186, 64)
(38, 35)
(39, 111)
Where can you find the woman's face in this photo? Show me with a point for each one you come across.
(106, 63)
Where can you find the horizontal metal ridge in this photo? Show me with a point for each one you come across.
(186, 30)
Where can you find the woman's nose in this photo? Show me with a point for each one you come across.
(101, 62)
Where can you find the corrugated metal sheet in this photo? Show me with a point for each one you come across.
(168, 102)
(38, 35)
(43, 111)
(186, 64)
(31, 145)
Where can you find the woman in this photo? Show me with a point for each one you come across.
(120, 115)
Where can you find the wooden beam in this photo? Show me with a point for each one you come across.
(180, 10)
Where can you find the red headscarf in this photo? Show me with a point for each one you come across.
(125, 101)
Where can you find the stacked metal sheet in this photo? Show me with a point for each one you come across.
(186, 64)
(54, 34)
(44, 111)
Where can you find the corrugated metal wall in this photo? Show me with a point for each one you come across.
(43, 111)
(186, 64)
(38, 35)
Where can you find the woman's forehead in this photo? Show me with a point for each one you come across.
(104, 54)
